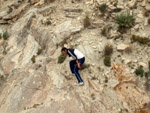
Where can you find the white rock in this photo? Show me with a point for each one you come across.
(122, 47)
(127, 61)
(140, 15)
(143, 64)
(147, 7)
(131, 3)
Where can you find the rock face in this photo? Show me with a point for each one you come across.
(31, 80)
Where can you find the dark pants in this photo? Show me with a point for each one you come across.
(74, 68)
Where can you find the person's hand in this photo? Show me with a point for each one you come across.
(79, 66)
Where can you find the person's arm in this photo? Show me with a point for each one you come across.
(79, 65)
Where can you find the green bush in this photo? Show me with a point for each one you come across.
(33, 59)
(39, 51)
(139, 71)
(107, 61)
(125, 20)
(106, 79)
(108, 50)
(5, 35)
(61, 58)
(19, 1)
(141, 40)
(102, 8)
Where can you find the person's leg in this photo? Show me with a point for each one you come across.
(72, 65)
(77, 74)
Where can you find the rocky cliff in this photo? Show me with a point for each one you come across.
(32, 34)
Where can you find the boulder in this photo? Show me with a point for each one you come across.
(122, 47)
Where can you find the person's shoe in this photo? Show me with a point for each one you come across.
(81, 83)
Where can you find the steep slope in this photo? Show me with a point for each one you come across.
(33, 82)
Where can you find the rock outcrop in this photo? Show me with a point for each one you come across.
(31, 80)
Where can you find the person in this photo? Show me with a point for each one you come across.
(76, 61)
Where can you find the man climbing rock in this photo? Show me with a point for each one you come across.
(77, 59)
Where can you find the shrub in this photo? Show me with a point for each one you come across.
(106, 79)
(139, 71)
(39, 51)
(146, 13)
(19, 1)
(141, 40)
(61, 58)
(86, 21)
(103, 32)
(102, 8)
(108, 50)
(33, 59)
(107, 61)
(116, 10)
(125, 20)
(5, 35)
(48, 22)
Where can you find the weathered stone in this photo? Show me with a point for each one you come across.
(64, 31)
(16, 12)
(122, 47)
(3, 22)
(147, 7)
(143, 64)
(131, 3)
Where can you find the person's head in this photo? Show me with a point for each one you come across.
(64, 50)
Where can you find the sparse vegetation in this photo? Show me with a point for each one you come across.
(19, 1)
(125, 20)
(140, 71)
(103, 32)
(5, 35)
(116, 10)
(108, 50)
(107, 61)
(33, 59)
(86, 21)
(48, 22)
(141, 40)
(61, 58)
(39, 51)
(146, 13)
(106, 79)
(102, 8)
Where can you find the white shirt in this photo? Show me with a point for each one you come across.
(78, 54)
